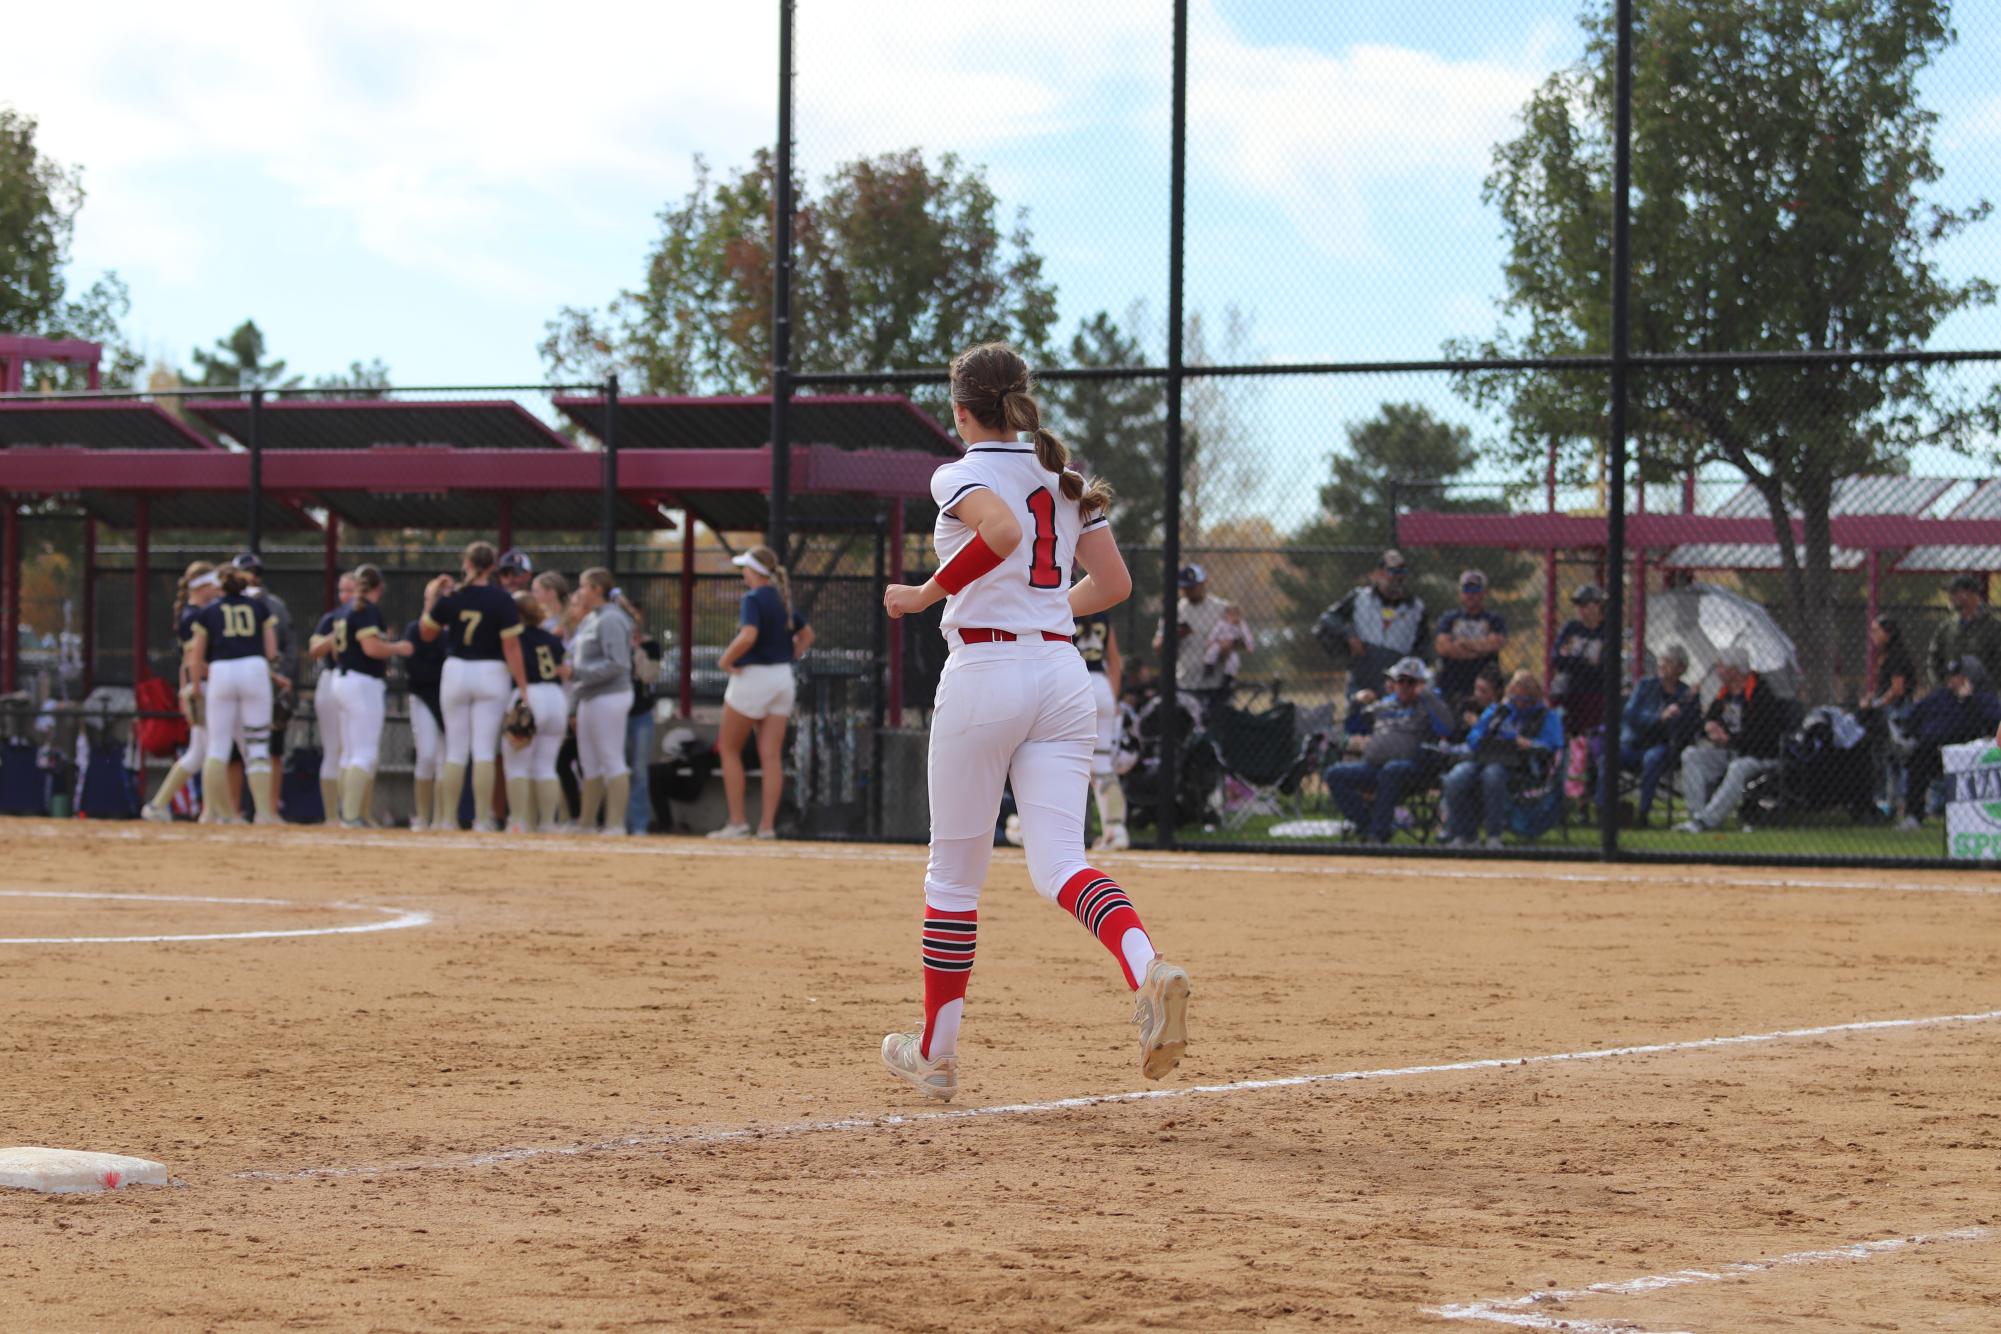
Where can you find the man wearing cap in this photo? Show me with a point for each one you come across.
(515, 571)
(1965, 709)
(1387, 750)
(1577, 682)
(1971, 629)
(1470, 638)
(1741, 736)
(1213, 637)
(1379, 624)
(285, 664)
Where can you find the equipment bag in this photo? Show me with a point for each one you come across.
(160, 737)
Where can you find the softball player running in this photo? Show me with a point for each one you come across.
(200, 585)
(363, 688)
(481, 628)
(759, 696)
(1099, 646)
(233, 651)
(324, 647)
(1014, 703)
(424, 672)
(601, 669)
(532, 787)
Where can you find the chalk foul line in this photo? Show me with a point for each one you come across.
(392, 919)
(1532, 1310)
(786, 1130)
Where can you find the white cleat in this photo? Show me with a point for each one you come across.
(157, 814)
(1114, 839)
(730, 831)
(485, 827)
(1012, 832)
(936, 1078)
(268, 818)
(611, 831)
(418, 825)
(1160, 1012)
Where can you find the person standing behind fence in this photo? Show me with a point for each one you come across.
(1378, 624)
(1577, 683)
(1469, 640)
(601, 672)
(324, 647)
(759, 696)
(481, 628)
(639, 728)
(199, 586)
(1971, 628)
(363, 688)
(234, 652)
(534, 794)
(423, 672)
(1099, 645)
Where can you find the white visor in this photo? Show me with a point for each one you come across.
(209, 580)
(750, 562)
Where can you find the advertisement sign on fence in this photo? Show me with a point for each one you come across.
(1973, 803)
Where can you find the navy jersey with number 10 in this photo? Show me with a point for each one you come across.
(233, 627)
(475, 621)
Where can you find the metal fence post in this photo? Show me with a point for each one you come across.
(1170, 557)
(609, 501)
(781, 298)
(256, 446)
(1613, 664)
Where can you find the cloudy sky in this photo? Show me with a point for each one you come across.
(428, 182)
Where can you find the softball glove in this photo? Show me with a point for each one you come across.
(519, 724)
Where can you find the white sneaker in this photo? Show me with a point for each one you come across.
(1910, 824)
(1492, 843)
(611, 831)
(418, 824)
(1160, 1012)
(352, 824)
(1114, 839)
(767, 835)
(1013, 831)
(731, 831)
(516, 827)
(485, 827)
(269, 818)
(1691, 827)
(936, 1078)
(157, 814)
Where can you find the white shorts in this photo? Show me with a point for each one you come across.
(761, 690)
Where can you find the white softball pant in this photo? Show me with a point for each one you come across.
(239, 710)
(326, 709)
(474, 694)
(1019, 712)
(363, 701)
(601, 735)
(1107, 705)
(427, 735)
(197, 751)
(537, 759)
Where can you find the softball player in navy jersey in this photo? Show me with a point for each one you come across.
(199, 586)
(233, 651)
(481, 628)
(363, 687)
(324, 647)
(1014, 704)
(424, 671)
(534, 794)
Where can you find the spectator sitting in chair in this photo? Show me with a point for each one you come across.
(1391, 757)
(1964, 709)
(1660, 719)
(1513, 739)
(1742, 734)
(1469, 639)
(1378, 624)
(1972, 629)
(1488, 687)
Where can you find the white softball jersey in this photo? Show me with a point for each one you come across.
(1028, 594)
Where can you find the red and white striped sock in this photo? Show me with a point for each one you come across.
(949, 939)
(1096, 900)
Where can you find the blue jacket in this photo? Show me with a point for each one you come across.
(1944, 719)
(1640, 725)
(1505, 721)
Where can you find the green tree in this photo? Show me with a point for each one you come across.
(359, 380)
(239, 362)
(1116, 428)
(898, 264)
(1781, 157)
(39, 201)
(1401, 458)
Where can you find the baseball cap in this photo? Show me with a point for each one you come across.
(1411, 669)
(247, 560)
(1971, 668)
(1472, 581)
(1588, 593)
(1967, 583)
(514, 559)
(1193, 574)
(1392, 561)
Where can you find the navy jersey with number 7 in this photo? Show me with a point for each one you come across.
(475, 620)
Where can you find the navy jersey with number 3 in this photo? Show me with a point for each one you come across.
(233, 627)
(476, 620)
(542, 654)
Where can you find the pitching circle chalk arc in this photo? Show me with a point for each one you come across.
(387, 919)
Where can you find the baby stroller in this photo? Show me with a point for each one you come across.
(1827, 763)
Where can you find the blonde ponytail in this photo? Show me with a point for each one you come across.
(991, 382)
(768, 558)
(185, 588)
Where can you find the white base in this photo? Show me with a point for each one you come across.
(73, 1171)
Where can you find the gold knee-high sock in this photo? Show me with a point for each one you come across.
(521, 803)
(1111, 800)
(353, 794)
(216, 803)
(549, 804)
(451, 785)
(593, 797)
(482, 790)
(176, 779)
(330, 798)
(368, 799)
(427, 798)
(617, 791)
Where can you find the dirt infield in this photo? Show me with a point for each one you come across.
(633, 1086)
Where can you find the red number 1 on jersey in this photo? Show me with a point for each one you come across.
(1042, 571)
